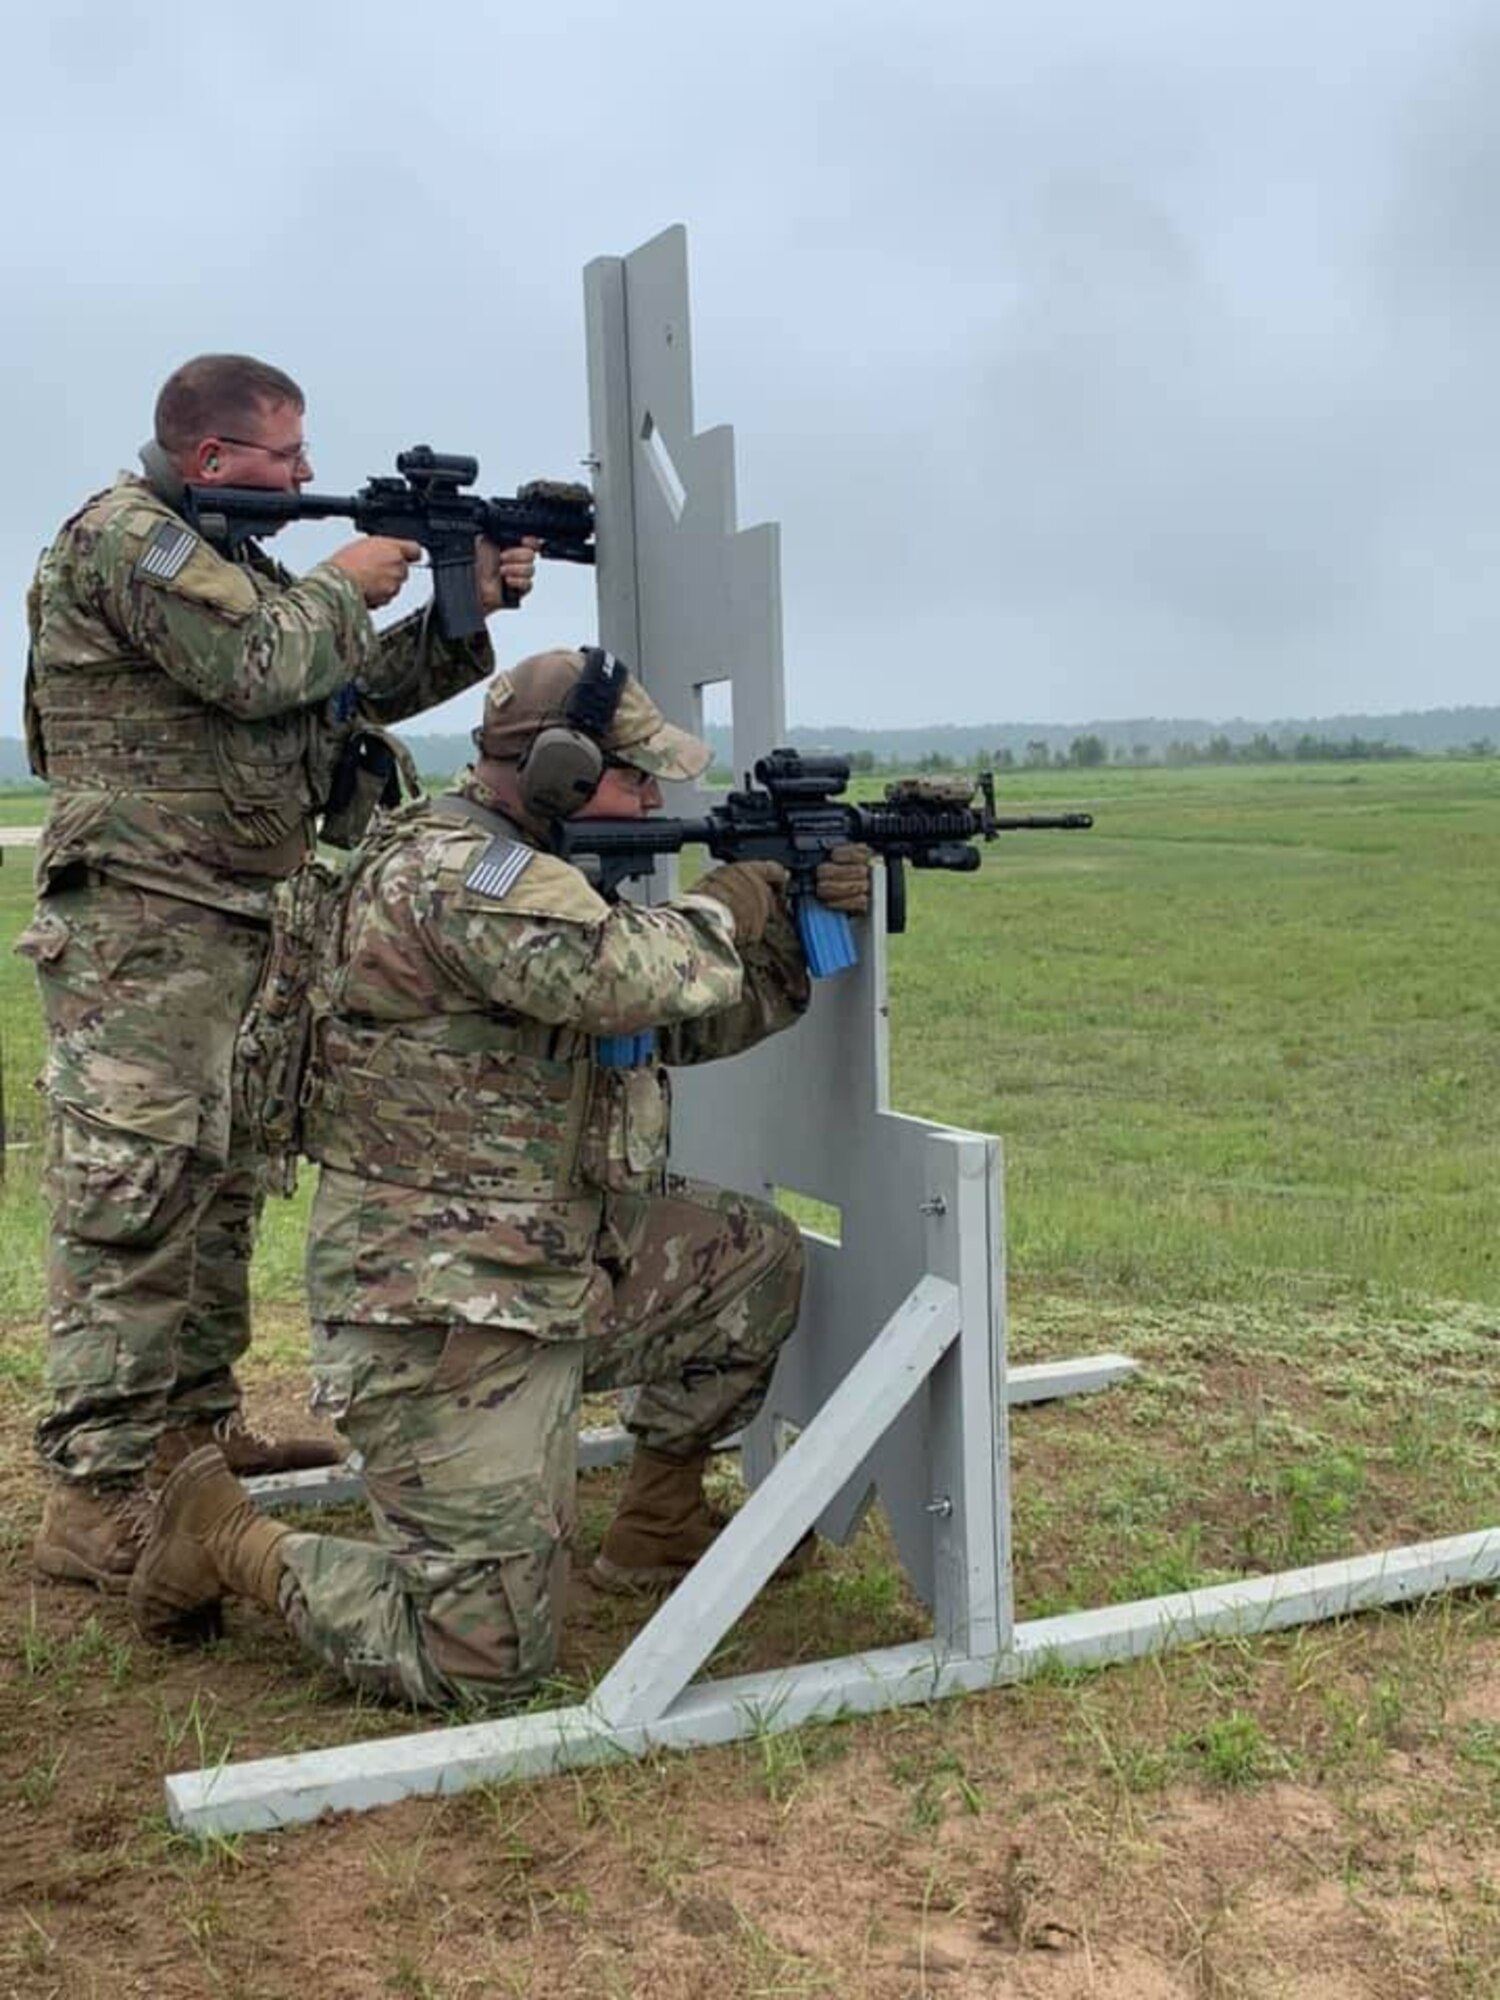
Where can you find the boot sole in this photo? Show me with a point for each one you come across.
(196, 1623)
(607, 1575)
(194, 1628)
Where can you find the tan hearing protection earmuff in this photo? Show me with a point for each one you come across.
(561, 770)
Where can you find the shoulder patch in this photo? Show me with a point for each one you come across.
(166, 552)
(499, 867)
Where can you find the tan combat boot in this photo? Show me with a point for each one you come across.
(206, 1541)
(92, 1534)
(249, 1454)
(663, 1524)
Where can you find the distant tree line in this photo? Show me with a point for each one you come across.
(1092, 752)
(1457, 732)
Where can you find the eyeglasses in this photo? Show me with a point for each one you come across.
(284, 454)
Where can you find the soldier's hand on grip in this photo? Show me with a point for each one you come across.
(842, 882)
(750, 891)
(503, 576)
(378, 565)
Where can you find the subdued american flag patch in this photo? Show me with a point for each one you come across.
(500, 867)
(166, 552)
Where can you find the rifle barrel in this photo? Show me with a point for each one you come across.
(1058, 822)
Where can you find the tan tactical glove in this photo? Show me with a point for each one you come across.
(842, 882)
(750, 891)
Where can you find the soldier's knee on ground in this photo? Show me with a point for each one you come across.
(436, 1631)
(494, 1636)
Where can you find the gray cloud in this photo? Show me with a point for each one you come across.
(1095, 361)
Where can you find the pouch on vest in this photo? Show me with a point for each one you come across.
(371, 770)
(274, 1050)
(625, 1146)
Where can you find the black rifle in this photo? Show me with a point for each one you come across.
(795, 817)
(425, 504)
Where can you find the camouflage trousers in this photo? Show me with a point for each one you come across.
(154, 1194)
(468, 1436)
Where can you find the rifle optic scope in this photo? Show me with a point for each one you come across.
(790, 775)
(422, 466)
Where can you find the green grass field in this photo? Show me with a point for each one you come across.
(1241, 1036)
(1242, 1033)
(1240, 1043)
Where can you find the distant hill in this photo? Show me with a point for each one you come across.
(1434, 730)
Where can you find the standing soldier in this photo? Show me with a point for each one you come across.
(495, 1230)
(188, 707)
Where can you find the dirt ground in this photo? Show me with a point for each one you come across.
(1315, 1815)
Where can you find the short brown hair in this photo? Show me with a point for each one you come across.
(217, 392)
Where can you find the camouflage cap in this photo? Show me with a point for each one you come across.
(533, 694)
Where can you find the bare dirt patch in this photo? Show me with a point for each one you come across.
(1314, 1815)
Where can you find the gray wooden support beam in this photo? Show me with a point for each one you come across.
(281, 1791)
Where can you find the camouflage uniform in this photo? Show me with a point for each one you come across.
(187, 710)
(494, 1232)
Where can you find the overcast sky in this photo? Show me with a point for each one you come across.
(1099, 358)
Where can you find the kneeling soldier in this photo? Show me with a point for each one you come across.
(495, 1231)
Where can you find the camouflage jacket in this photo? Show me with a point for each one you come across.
(479, 1163)
(188, 709)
